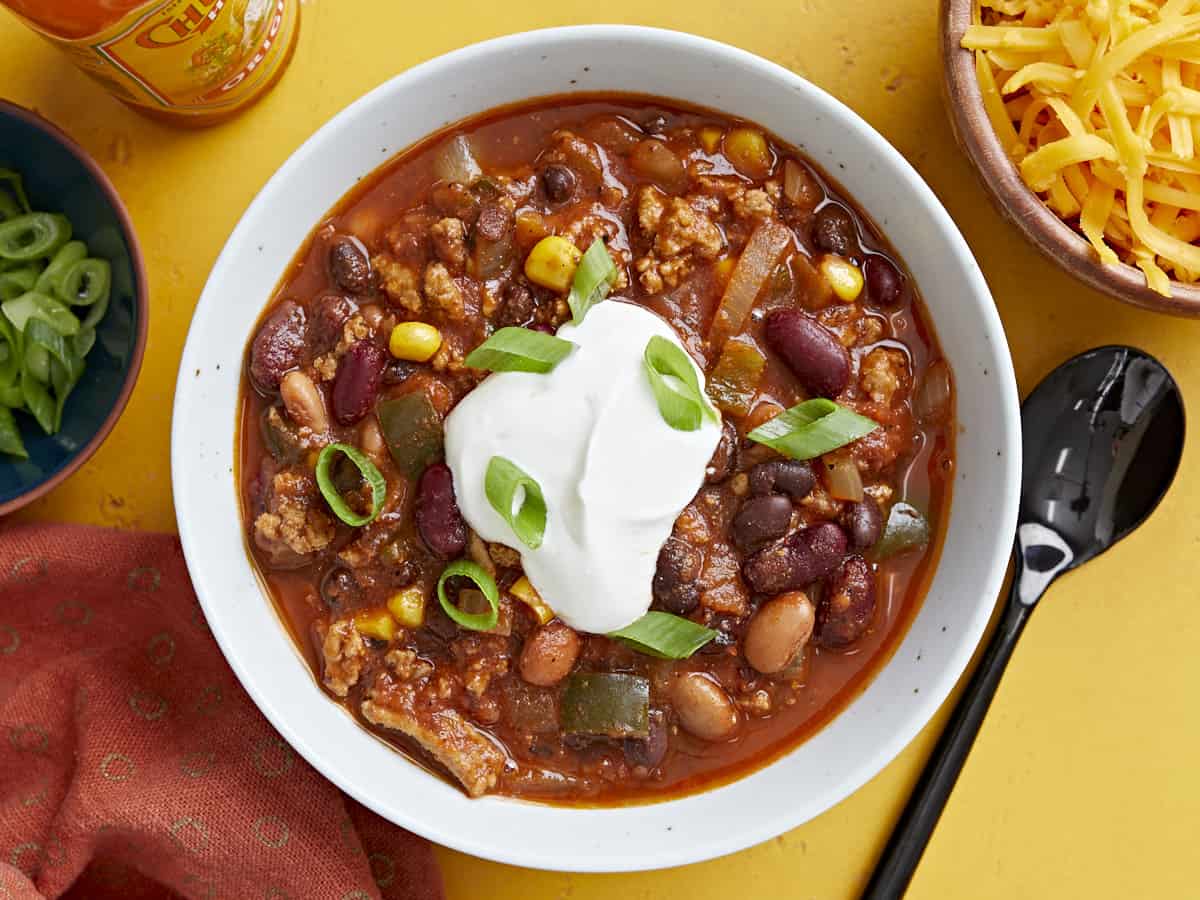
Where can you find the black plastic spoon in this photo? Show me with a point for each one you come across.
(1103, 434)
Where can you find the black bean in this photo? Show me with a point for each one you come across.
(439, 519)
(649, 751)
(655, 124)
(517, 305)
(762, 519)
(815, 356)
(350, 265)
(845, 612)
(559, 182)
(798, 561)
(725, 457)
(340, 588)
(359, 377)
(884, 281)
(791, 476)
(278, 347)
(863, 523)
(674, 587)
(494, 221)
(834, 231)
(398, 371)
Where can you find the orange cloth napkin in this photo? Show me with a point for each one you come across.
(133, 765)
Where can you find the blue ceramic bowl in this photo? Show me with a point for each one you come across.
(61, 177)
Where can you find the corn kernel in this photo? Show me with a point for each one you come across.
(414, 341)
(408, 606)
(527, 594)
(552, 262)
(747, 150)
(724, 268)
(376, 623)
(710, 138)
(843, 276)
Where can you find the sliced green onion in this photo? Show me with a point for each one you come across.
(10, 365)
(86, 282)
(519, 350)
(502, 484)
(9, 208)
(68, 254)
(96, 312)
(369, 473)
(38, 401)
(11, 396)
(594, 278)
(37, 362)
(34, 305)
(906, 529)
(676, 388)
(40, 334)
(812, 428)
(612, 704)
(474, 621)
(63, 381)
(16, 282)
(10, 437)
(33, 235)
(84, 341)
(17, 186)
(664, 635)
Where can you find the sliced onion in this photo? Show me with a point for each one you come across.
(842, 479)
(493, 257)
(766, 245)
(799, 186)
(456, 162)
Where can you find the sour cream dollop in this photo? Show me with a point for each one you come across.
(614, 475)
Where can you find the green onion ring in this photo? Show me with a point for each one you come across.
(501, 483)
(812, 428)
(330, 492)
(593, 280)
(682, 405)
(487, 586)
(33, 235)
(86, 282)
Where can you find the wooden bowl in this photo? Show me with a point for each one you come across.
(1021, 206)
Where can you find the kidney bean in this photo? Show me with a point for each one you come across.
(884, 281)
(278, 347)
(724, 458)
(848, 606)
(778, 631)
(815, 356)
(791, 476)
(350, 264)
(762, 519)
(439, 520)
(559, 183)
(649, 751)
(703, 707)
(834, 231)
(359, 376)
(549, 654)
(863, 523)
(674, 586)
(806, 556)
(330, 313)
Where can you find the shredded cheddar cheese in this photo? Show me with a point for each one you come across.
(1097, 102)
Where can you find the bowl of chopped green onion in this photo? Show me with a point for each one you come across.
(73, 306)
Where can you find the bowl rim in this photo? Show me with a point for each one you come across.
(991, 566)
(1057, 240)
(141, 303)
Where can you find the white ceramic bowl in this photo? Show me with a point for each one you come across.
(875, 726)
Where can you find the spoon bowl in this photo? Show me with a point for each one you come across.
(1103, 435)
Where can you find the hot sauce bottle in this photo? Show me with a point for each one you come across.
(192, 62)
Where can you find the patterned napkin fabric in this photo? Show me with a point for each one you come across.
(133, 765)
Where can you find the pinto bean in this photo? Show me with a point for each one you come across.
(762, 519)
(559, 183)
(778, 631)
(703, 707)
(359, 376)
(848, 606)
(278, 347)
(791, 476)
(725, 457)
(863, 523)
(439, 520)
(549, 654)
(350, 264)
(884, 281)
(797, 562)
(303, 401)
(674, 586)
(834, 231)
(815, 356)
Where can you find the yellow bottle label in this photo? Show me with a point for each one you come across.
(191, 56)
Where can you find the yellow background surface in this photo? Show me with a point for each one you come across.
(1084, 782)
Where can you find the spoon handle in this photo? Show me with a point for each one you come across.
(903, 851)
